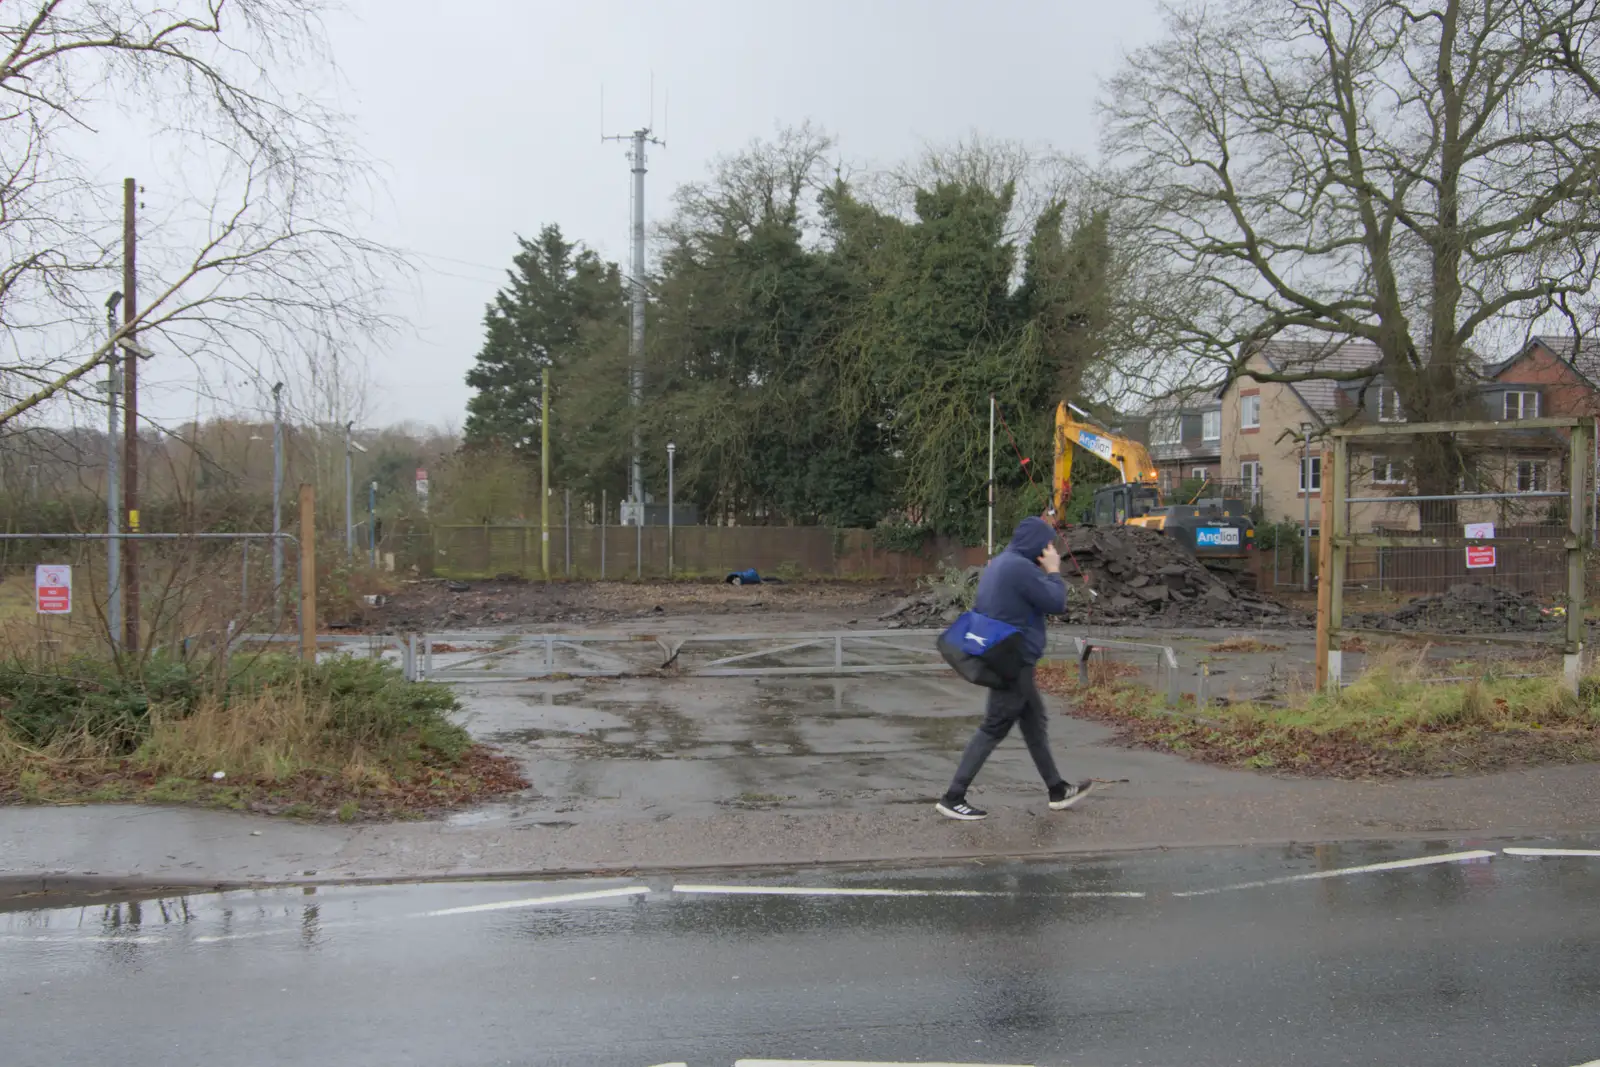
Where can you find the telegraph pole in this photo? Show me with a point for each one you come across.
(640, 138)
(130, 421)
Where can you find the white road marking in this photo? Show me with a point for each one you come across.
(1371, 868)
(833, 891)
(863, 1063)
(1593, 853)
(538, 902)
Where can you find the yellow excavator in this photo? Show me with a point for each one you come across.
(1212, 529)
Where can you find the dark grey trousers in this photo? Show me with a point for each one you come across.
(1020, 705)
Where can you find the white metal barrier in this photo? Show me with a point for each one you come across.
(580, 655)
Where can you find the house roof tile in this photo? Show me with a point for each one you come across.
(1321, 395)
(1195, 450)
(1582, 353)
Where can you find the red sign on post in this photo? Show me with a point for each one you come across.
(1480, 556)
(52, 589)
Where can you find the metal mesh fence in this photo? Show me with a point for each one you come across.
(191, 590)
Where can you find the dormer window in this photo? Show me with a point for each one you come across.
(1521, 405)
(1389, 405)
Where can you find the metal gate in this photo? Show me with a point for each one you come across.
(483, 656)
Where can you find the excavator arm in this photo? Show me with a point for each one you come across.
(1130, 458)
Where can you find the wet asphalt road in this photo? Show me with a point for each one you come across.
(1181, 958)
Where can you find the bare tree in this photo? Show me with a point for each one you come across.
(1416, 175)
(259, 253)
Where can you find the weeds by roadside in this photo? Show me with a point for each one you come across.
(344, 739)
(1244, 644)
(1394, 720)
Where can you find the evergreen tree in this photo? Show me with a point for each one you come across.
(560, 303)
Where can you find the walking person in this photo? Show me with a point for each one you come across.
(1019, 587)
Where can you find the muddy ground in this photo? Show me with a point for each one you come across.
(439, 605)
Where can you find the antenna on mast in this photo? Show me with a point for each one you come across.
(633, 508)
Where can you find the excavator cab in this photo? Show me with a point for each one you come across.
(1119, 504)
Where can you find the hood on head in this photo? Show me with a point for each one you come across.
(1031, 536)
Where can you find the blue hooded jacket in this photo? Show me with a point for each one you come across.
(1016, 590)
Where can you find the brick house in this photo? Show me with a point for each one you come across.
(1549, 376)
(1264, 424)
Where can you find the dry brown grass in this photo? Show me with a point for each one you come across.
(1244, 644)
(267, 737)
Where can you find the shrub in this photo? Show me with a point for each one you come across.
(87, 697)
(897, 535)
(357, 702)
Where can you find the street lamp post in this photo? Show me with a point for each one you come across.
(277, 503)
(671, 490)
(1305, 489)
(113, 489)
(350, 444)
(349, 502)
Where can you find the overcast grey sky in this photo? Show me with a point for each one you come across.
(486, 121)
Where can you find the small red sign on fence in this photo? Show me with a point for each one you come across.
(52, 589)
(1479, 556)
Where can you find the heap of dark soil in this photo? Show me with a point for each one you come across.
(1468, 608)
(1121, 574)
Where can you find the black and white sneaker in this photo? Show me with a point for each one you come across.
(960, 810)
(1066, 794)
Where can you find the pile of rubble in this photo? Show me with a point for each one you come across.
(1117, 574)
(1143, 576)
(1467, 609)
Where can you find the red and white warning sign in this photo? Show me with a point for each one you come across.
(1480, 556)
(52, 588)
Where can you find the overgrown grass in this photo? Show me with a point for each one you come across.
(1393, 720)
(345, 738)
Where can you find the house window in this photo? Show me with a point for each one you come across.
(1313, 465)
(1250, 479)
(1530, 476)
(1199, 474)
(1166, 431)
(1211, 426)
(1250, 412)
(1385, 471)
(1389, 405)
(1522, 405)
